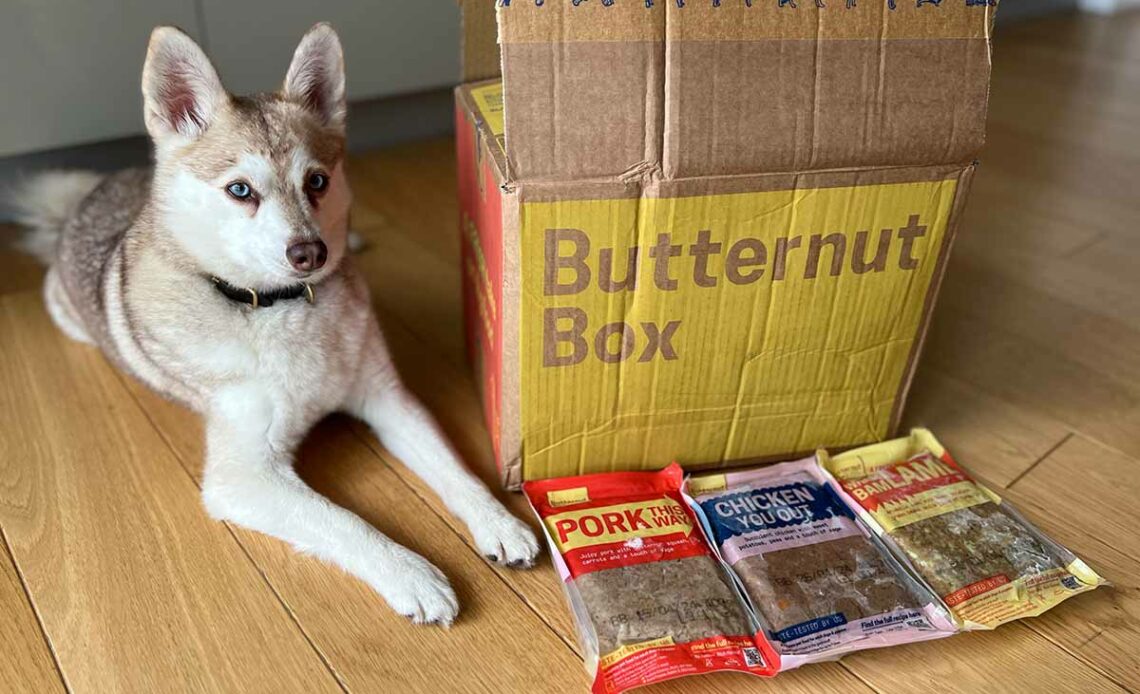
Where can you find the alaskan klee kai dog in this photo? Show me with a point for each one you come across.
(219, 279)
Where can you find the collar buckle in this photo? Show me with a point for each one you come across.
(250, 296)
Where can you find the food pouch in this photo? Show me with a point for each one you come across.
(820, 581)
(650, 600)
(988, 564)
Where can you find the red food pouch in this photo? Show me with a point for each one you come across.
(650, 599)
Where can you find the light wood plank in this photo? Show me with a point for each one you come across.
(1015, 196)
(1033, 376)
(1096, 280)
(407, 211)
(1090, 339)
(1102, 628)
(1084, 496)
(137, 589)
(419, 290)
(1002, 441)
(22, 272)
(495, 627)
(1011, 659)
(1050, 357)
(413, 188)
(507, 616)
(494, 622)
(1101, 95)
(27, 665)
(1093, 488)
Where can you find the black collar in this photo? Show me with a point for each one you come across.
(261, 299)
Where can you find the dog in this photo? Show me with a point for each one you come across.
(219, 278)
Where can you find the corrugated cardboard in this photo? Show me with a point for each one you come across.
(710, 232)
(480, 47)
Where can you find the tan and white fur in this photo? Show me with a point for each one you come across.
(131, 256)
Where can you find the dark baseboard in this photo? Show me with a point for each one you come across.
(386, 122)
(1014, 10)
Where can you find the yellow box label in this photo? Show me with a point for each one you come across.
(719, 327)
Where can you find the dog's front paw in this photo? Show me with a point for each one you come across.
(506, 540)
(415, 588)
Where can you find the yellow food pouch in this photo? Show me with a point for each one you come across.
(987, 563)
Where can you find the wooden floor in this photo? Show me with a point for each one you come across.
(112, 578)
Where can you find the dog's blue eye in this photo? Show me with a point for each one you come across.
(318, 181)
(239, 189)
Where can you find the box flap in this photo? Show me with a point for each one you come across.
(635, 88)
(582, 88)
(482, 103)
(479, 37)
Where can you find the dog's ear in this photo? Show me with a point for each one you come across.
(316, 75)
(182, 94)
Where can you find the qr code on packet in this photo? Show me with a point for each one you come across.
(752, 657)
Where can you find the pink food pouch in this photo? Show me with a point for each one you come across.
(819, 581)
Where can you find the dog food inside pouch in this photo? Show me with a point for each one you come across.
(650, 599)
(820, 582)
(988, 564)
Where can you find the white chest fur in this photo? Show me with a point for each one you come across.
(299, 358)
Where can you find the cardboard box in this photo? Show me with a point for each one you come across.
(708, 232)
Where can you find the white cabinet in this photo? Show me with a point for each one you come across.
(70, 69)
(391, 46)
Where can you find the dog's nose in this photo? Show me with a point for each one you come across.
(307, 255)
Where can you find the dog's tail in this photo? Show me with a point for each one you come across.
(43, 203)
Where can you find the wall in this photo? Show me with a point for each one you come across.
(1107, 6)
(69, 69)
